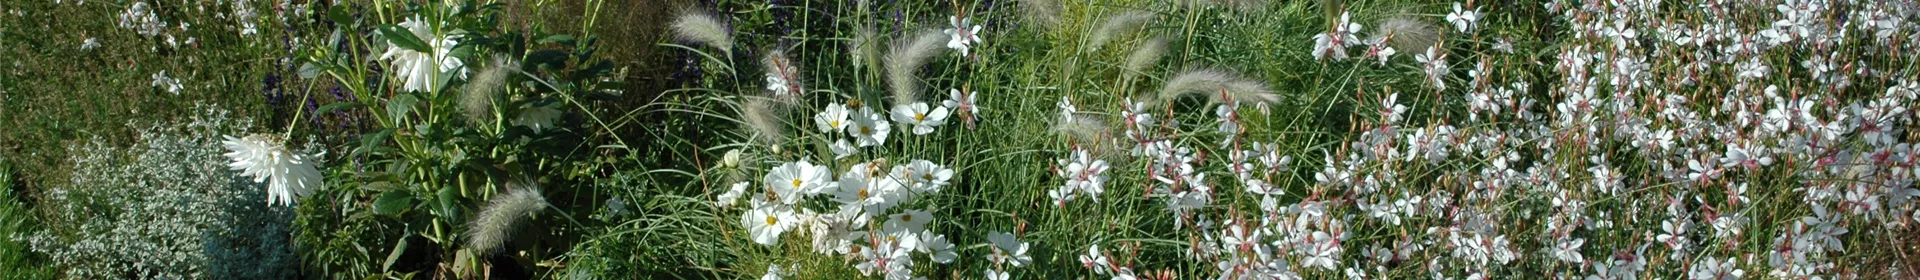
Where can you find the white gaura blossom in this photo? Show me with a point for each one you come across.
(964, 34)
(289, 175)
(162, 81)
(425, 71)
(1334, 42)
(1463, 20)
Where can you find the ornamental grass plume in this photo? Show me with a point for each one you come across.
(1143, 57)
(703, 28)
(1118, 25)
(265, 157)
(758, 115)
(1407, 33)
(904, 61)
(1221, 85)
(865, 46)
(1041, 13)
(480, 93)
(502, 217)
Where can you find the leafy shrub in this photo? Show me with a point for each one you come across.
(167, 208)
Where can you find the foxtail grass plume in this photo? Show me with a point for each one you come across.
(865, 46)
(783, 77)
(502, 217)
(265, 157)
(759, 116)
(703, 28)
(1407, 33)
(905, 59)
(1118, 25)
(1221, 85)
(477, 98)
(1082, 129)
(1143, 57)
(1041, 13)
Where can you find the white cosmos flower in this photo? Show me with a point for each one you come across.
(833, 119)
(796, 180)
(997, 275)
(918, 115)
(964, 34)
(937, 247)
(765, 224)
(539, 118)
(289, 175)
(425, 71)
(869, 128)
(924, 176)
(732, 195)
(872, 194)
(842, 149)
(1008, 250)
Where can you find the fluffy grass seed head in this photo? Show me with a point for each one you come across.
(1118, 25)
(1040, 13)
(703, 28)
(865, 46)
(904, 61)
(1407, 33)
(759, 115)
(1144, 57)
(502, 217)
(1221, 85)
(476, 100)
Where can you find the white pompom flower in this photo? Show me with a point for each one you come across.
(289, 175)
(425, 71)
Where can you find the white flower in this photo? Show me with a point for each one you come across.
(773, 273)
(833, 119)
(425, 71)
(964, 34)
(289, 175)
(778, 85)
(869, 129)
(1095, 260)
(858, 188)
(1569, 250)
(997, 275)
(842, 149)
(1008, 250)
(733, 194)
(909, 221)
(539, 118)
(1434, 62)
(1715, 269)
(937, 247)
(918, 115)
(90, 43)
(924, 176)
(793, 181)
(765, 224)
(962, 103)
(169, 84)
(1463, 20)
(1334, 42)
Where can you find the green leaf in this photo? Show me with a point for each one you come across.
(400, 105)
(309, 70)
(339, 15)
(556, 38)
(400, 36)
(329, 108)
(393, 202)
(449, 204)
(395, 255)
(371, 141)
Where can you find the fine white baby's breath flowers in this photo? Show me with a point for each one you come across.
(425, 71)
(920, 116)
(869, 128)
(264, 157)
(964, 35)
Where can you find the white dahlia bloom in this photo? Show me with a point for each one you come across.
(289, 175)
(424, 71)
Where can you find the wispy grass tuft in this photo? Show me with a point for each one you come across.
(502, 217)
(1118, 25)
(1220, 85)
(759, 116)
(1143, 57)
(703, 28)
(865, 46)
(477, 98)
(905, 59)
(1407, 33)
(1041, 13)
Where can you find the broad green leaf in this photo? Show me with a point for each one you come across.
(395, 255)
(393, 202)
(329, 108)
(339, 15)
(309, 70)
(400, 105)
(400, 36)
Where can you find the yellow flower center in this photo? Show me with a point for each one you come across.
(796, 183)
(771, 220)
(906, 218)
(919, 116)
(835, 123)
(863, 193)
(866, 130)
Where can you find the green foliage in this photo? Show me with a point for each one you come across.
(16, 258)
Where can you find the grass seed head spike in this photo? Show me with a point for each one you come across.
(1118, 25)
(478, 96)
(1041, 13)
(502, 217)
(1408, 33)
(905, 59)
(1220, 85)
(1144, 57)
(703, 28)
(759, 116)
